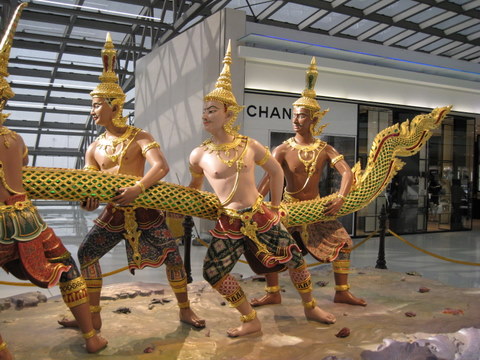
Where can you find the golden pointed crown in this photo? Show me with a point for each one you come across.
(108, 87)
(5, 47)
(308, 94)
(223, 86)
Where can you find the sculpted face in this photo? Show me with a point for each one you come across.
(301, 120)
(214, 116)
(102, 113)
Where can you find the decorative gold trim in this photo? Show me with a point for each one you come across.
(147, 147)
(179, 286)
(304, 286)
(95, 309)
(91, 168)
(342, 287)
(341, 266)
(74, 292)
(193, 173)
(340, 196)
(335, 160)
(89, 335)
(249, 317)
(3, 346)
(310, 304)
(265, 158)
(184, 305)
(236, 299)
(140, 185)
(272, 289)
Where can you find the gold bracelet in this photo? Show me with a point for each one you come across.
(340, 196)
(248, 317)
(3, 346)
(89, 334)
(275, 207)
(140, 185)
(335, 160)
(310, 304)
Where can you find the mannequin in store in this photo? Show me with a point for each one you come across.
(246, 224)
(303, 158)
(124, 149)
(29, 249)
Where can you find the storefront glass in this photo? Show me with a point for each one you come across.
(433, 190)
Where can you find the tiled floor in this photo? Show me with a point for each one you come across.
(72, 225)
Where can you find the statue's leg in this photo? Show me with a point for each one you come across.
(302, 281)
(272, 290)
(222, 255)
(5, 353)
(341, 269)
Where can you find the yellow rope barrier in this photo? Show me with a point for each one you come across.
(432, 254)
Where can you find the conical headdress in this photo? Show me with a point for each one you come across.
(308, 97)
(223, 91)
(108, 87)
(5, 47)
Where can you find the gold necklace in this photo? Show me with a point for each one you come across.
(109, 145)
(308, 154)
(225, 148)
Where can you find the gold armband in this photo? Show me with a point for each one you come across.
(140, 185)
(147, 147)
(91, 168)
(335, 160)
(195, 174)
(265, 157)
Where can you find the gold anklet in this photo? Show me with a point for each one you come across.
(89, 334)
(342, 287)
(95, 308)
(272, 289)
(248, 317)
(184, 305)
(3, 346)
(310, 304)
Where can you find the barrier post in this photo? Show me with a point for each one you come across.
(187, 241)
(381, 262)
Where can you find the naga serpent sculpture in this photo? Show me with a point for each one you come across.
(403, 139)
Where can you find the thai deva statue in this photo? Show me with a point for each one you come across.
(326, 241)
(29, 249)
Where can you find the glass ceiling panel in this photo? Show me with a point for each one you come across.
(425, 15)
(69, 118)
(293, 13)
(36, 92)
(412, 39)
(470, 30)
(460, 2)
(21, 114)
(361, 4)
(29, 139)
(31, 54)
(56, 161)
(397, 7)
(436, 44)
(359, 27)
(329, 22)
(56, 141)
(168, 18)
(386, 34)
(257, 6)
(39, 27)
(451, 22)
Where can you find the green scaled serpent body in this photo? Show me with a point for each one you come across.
(404, 139)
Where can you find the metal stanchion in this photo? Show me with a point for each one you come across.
(187, 241)
(381, 262)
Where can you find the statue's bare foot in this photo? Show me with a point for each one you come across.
(346, 297)
(95, 344)
(267, 299)
(317, 314)
(189, 317)
(246, 328)
(5, 354)
(96, 322)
